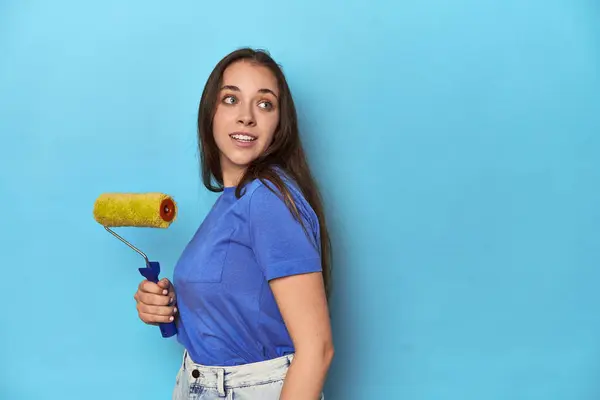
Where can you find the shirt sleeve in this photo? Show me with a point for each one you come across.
(279, 241)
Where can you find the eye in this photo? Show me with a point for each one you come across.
(229, 99)
(267, 105)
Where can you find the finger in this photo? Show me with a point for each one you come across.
(155, 319)
(164, 283)
(150, 287)
(155, 310)
(154, 299)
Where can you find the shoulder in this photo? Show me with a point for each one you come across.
(282, 227)
(267, 201)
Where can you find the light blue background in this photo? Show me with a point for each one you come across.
(458, 149)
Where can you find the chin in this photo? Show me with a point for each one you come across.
(239, 160)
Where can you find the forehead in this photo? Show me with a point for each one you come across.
(249, 76)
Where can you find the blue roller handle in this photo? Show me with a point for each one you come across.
(151, 273)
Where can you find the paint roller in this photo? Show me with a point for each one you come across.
(147, 210)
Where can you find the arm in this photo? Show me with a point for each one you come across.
(303, 305)
(291, 263)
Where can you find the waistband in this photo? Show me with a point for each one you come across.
(250, 374)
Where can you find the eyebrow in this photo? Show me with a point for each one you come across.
(237, 89)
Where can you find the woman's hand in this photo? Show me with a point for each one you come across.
(156, 301)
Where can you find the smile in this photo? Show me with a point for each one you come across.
(243, 137)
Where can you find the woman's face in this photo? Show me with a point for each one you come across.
(246, 116)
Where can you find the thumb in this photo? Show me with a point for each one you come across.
(164, 283)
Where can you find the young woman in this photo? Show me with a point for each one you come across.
(249, 293)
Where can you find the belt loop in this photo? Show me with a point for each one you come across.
(221, 382)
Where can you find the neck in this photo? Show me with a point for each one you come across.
(232, 174)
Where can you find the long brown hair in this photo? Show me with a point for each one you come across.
(285, 152)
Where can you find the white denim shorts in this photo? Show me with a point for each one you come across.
(255, 381)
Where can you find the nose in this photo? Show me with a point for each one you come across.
(246, 116)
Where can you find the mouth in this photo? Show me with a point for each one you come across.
(243, 137)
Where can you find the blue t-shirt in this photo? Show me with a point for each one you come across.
(227, 311)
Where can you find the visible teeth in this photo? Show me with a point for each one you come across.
(243, 137)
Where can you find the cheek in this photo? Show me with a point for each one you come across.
(219, 121)
(270, 125)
